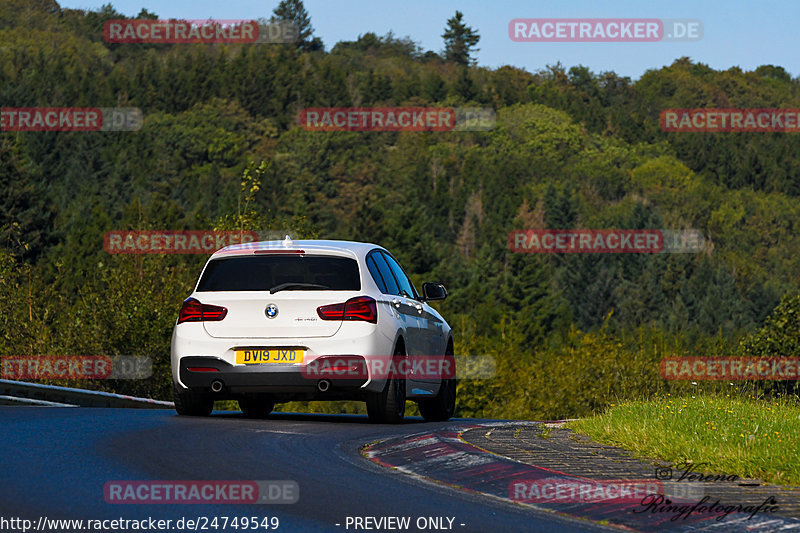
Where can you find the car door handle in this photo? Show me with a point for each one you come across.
(396, 302)
(419, 308)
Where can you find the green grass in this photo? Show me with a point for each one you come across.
(744, 436)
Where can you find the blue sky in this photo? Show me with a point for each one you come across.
(736, 33)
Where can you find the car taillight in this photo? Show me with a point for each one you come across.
(358, 308)
(193, 311)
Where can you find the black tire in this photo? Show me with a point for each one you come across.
(442, 406)
(389, 405)
(256, 407)
(188, 403)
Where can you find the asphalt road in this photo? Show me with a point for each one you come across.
(55, 462)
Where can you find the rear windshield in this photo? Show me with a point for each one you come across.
(262, 273)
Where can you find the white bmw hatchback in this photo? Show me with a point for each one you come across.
(280, 321)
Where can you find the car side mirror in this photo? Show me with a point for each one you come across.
(433, 291)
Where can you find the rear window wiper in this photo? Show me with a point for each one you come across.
(291, 286)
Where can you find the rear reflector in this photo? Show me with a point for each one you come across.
(202, 369)
(358, 308)
(194, 311)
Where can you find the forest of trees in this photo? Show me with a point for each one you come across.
(571, 149)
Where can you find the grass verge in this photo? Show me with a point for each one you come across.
(746, 436)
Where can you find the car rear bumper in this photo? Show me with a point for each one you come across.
(190, 342)
(199, 373)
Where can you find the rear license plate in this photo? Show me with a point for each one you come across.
(257, 357)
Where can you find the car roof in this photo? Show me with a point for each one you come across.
(358, 248)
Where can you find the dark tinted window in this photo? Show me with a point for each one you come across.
(260, 273)
(402, 279)
(376, 275)
(386, 274)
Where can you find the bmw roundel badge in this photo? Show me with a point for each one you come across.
(271, 311)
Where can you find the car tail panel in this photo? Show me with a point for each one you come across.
(281, 315)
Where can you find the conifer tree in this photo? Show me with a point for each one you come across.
(294, 11)
(459, 40)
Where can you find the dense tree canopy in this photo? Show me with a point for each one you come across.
(571, 148)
